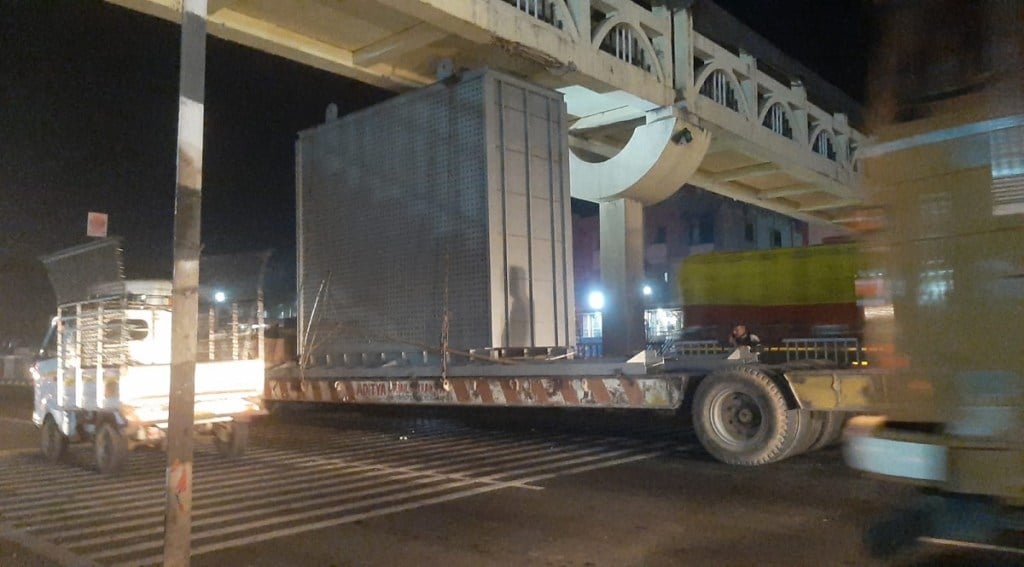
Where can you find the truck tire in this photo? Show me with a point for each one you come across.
(811, 424)
(232, 440)
(832, 430)
(741, 418)
(111, 448)
(53, 442)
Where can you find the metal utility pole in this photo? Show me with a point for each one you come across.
(184, 322)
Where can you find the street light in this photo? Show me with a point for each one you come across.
(648, 290)
(596, 300)
(219, 297)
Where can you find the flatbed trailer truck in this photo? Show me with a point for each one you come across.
(747, 408)
(744, 413)
(434, 267)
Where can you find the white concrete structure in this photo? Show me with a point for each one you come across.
(452, 198)
(650, 82)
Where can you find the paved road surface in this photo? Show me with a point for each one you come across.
(448, 488)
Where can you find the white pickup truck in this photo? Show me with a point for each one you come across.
(106, 374)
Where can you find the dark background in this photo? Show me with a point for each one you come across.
(88, 122)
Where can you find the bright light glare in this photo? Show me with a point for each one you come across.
(219, 297)
(596, 300)
(648, 290)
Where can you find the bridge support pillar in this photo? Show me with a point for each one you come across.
(659, 158)
(622, 273)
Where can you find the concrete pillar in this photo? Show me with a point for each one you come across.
(622, 273)
(682, 56)
(748, 83)
(580, 10)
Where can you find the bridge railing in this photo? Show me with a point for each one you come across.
(734, 81)
(548, 11)
(623, 29)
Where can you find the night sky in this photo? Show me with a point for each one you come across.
(88, 122)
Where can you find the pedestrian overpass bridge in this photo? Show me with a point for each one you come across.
(660, 93)
(657, 102)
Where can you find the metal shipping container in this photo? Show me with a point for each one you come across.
(452, 198)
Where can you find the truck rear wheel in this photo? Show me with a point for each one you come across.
(111, 449)
(832, 430)
(53, 442)
(232, 439)
(741, 418)
(809, 429)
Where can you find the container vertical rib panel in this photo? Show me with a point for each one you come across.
(457, 190)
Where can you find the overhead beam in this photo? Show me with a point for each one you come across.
(396, 45)
(837, 204)
(747, 171)
(750, 195)
(277, 40)
(789, 191)
(268, 37)
(721, 144)
(214, 6)
(759, 143)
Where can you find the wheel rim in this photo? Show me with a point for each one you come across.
(736, 417)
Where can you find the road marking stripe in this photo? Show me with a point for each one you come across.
(200, 520)
(352, 500)
(497, 462)
(973, 545)
(207, 496)
(348, 469)
(205, 509)
(238, 542)
(307, 483)
(277, 518)
(93, 480)
(44, 548)
(117, 491)
(151, 512)
(155, 502)
(277, 515)
(93, 484)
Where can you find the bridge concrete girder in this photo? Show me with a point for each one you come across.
(660, 156)
(778, 203)
(568, 57)
(409, 39)
(753, 139)
(227, 21)
(658, 159)
(614, 60)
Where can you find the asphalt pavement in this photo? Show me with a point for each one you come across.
(443, 487)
